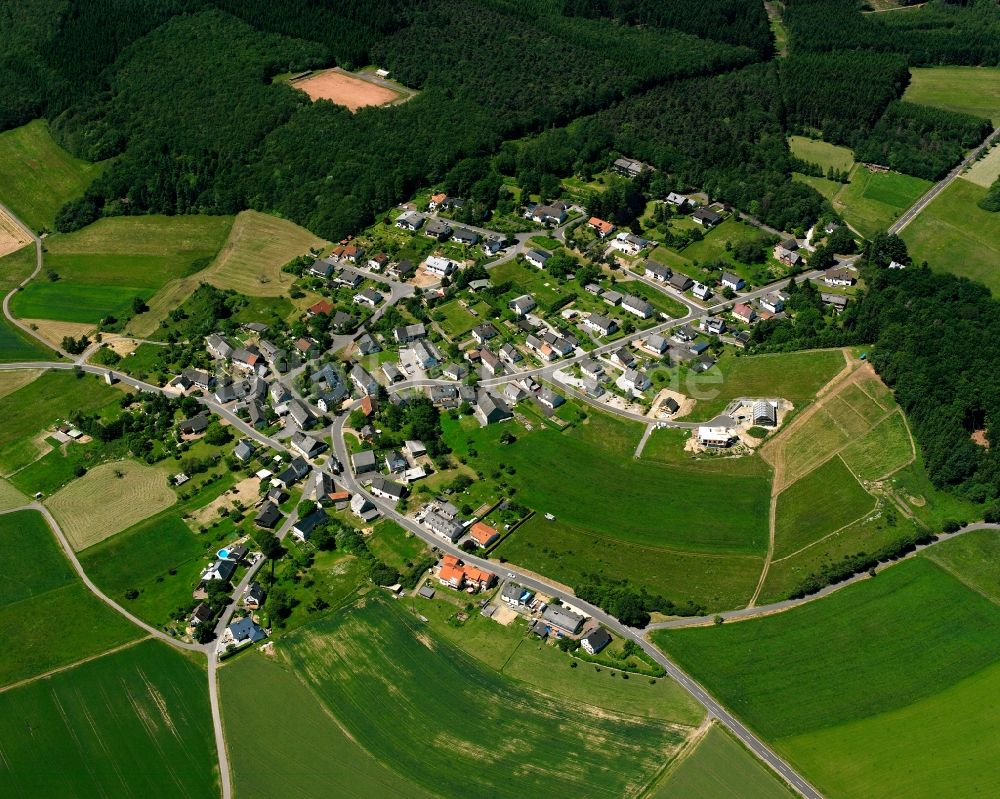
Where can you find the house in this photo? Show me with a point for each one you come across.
(408, 333)
(218, 347)
(594, 641)
(306, 347)
(349, 277)
(202, 614)
(509, 354)
(440, 266)
(300, 414)
(437, 200)
(425, 354)
(194, 425)
(656, 344)
(455, 574)
(294, 472)
(516, 596)
(837, 301)
(465, 236)
(321, 268)
(592, 388)
(303, 528)
(773, 302)
(713, 325)
(623, 357)
(437, 229)
(554, 213)
(563, 619)
(244, 451)
(744, 312)
(410, 220)
(491, 410)
(630, 243)
(198, 378)
(452, 203)
(404, 270)
(479, 285)
(364, 508)
(701, 291)
(439, 524)
(896, 265)
(220, 570)
(670, 405)
(637, 306)
(387, 489)
(393, 373)
(319, 488)
(268, 516)
(612, 298)
(378, 262)
(492, 245)
(454, 371)
(254, 596)
(684, 334)
(394, 461)
(307, 446)
(368, 297)
(839, 277)
(323, 307)
(601, 227)
(347, 252)
(657, 272)
(592, 369)
(680, 282)
(765, 413)
(364, 461)
(363, 382)
(492, 364)
(537, 258)
(243, 632)
(731, 281)
(603, 325)
(367, 345)
(522, 305)
(483, 333)
(633, 380)
(629, 167)
(706, 217)
(550, 399)
(715, 436)
(678, 200)
(786, 256)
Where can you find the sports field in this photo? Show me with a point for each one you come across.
(132, 723)
(955, 235)
(826, 155)
(102, 267)
(872, 201)
(341, 88)
(37, 176)
(464, 729)
(108, 499)
(968, 90)
(720, 768)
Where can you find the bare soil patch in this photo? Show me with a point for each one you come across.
(343, 89)
(246, 491)
(54, 332)
(979, 439)
(12, 236)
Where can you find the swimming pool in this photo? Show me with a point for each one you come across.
(223, 554)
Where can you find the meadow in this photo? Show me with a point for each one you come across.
(391, 544)
(720, 768)
(817, 151)
(10, 497)
(108, 499)
(872, 201)
(828, 188)
(883, 450)
(360, 661)
(37, 176)
(133, 723)
(955, 235)
(16, 345)
(972, 558)
(967, 90)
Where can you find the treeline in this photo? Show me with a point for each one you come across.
(631, 606)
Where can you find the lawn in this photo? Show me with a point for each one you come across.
(132, 723)
(108, 499)
(871, 648)
(825, 500)
(883, 450)
(662, 302)
(955, 235)
(310, 751)
(37, 176)
(713, 246)
(967, 90)
(872, 201)
(721, 768)
(391, 544)
(464, 729)
(794, 376)
(826, 155)
(456, 321)
(10, 497)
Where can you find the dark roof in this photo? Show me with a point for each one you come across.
(598, 639)
(268, 515)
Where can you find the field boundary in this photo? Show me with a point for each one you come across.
(68, 666)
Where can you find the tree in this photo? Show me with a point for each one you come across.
(217, 435)
(204, 632)
(139, 305)
(278, 605)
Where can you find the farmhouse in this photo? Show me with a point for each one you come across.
(441, 525)
(715, 436)
(732, 281)
(538, 258)
(491, 363)
(600, 226)
(198, 378)
(300, 414)
(637, 306)
(603, 325)
(196, 424)
(563, 619)
(706, 217)
(440, 266)
(658, 272)
(307, 446)
(410, 220)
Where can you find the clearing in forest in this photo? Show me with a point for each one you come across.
(342, 88)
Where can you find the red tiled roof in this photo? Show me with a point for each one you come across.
(482, 533)
(321, 307)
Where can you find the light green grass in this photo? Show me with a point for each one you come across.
(391, 544)
(10, 497)
(33, 561)
(974, 558)
(133, 723)
(955, 235)
(872, 201)
(457, 321)
(16, 345)
(825, 500)
(37, 176)
(713, 246)
(65, 302)
(720, 768)
(828, 188)
(881, 451)
(967, 90)
(823, 153)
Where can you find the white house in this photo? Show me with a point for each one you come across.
(731, 281)
(715, 436)
(701, 291)
(633, 380)
(440, 266)
(600, 324)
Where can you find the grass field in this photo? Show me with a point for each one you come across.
(720, 768)
(968, 90)
(884, 449)
(986, 170)
(457, 321)
(713, 246)
(816, 151)
(132, 723)
(464, 729)
(37, 176)
(794, 376)
(828, 188)
(102, 267)
(955, 235)
(973, 558)
(311, 751)
(16, 379)
(33, 562)
(873, 201)
(825, 500)
(102, 503)
(391, 544)
(14, 344)
(10, 497)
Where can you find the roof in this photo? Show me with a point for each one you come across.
(246, 629)
(598, 639)
(560, 617)
(600, 225)
(482, 533)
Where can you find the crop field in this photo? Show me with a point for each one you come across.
(967, 90)
(37, 176)
(11, 381)
(816, 151)
(873, 201)
(27, 412)
(986, 170)
(974, 558)
(12, 235)
(133, 723)
(341, 88)
(102, 267)
(312, 752)
(955, 235)
(108, 499)
(360, 661)
(794, 376)
(886, 448)
(33, 562)
(870, 648)
(823, 501)
(10, 497)
(720, 768)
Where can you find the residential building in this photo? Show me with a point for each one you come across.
(404, 270)
(594, 641)
(303, 528)
(410, 220)
(243, 632)
(744, 312)
(516, 596)
(701, 291)
(268, 516)
(773, 302)
(637, 306)
(612, 297)
(364, 461)
(321, 308)
(244, 450)
(349, 277)
(465, 236)
(629, 167)
(713, 325)
(364, 508)
(218, 347)
(551, 214)
(307, 446)
(254, 596)
(786, 256)
(483, 333)
(538, 258)
(404, 335)
(603, 325)
(706, 217)
(492, 245)
(678, 200)
(718, 437)
(393, 373)
(550, 399)
(510, 354)
(522, 305)
(656, 343)
(378, 262)
(623, 357)
(387, 489)
(837, 301)
(437, 229)
(491, 410)
(630, 243)
(221, 569)
(839, 277)
(733, 281)
(562, 619)
(300, 414)
(368, 297)
(601, 227)
(439, 524)
(680, 282)
(440, 266)
(363, 381)
(658, 272)
(633, 380)
(294, 472)
(483, 534)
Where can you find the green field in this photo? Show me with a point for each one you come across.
(720, 768)
(955, 235)
(132, 723)
(33, 562)
(10, 497)
(967, 90)
(828, 188)
(973, 558)
(37, 176)
(391, 544)
(883, 450)
(794, 376)
(102, 267)
(872, 201)
(457, 321)
(825, 500)
(464, 729)
(713, 246)
(826, 155)
(14, 344)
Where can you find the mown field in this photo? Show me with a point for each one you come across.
(967, 90)
(10, 497)
(955, 235)
(132, 723)
(463, 728)
(817, 151)
(873, 201)
(16, 345)
(37, 176)
(720, 768)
